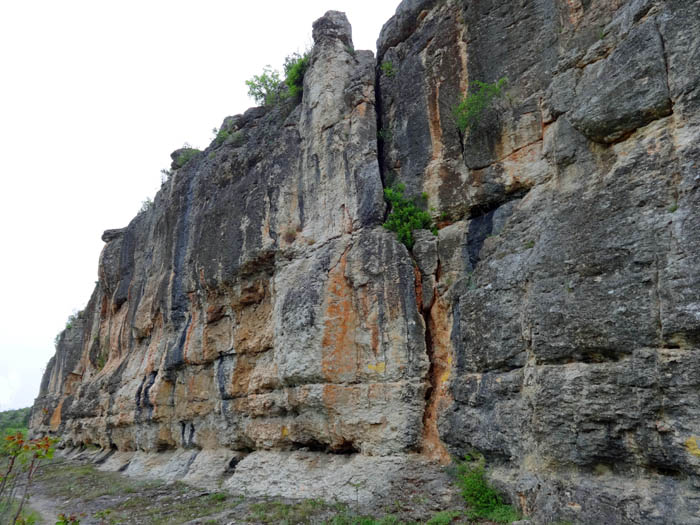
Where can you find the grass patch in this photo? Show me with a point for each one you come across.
(288, 513)
(345, 519)
(65, 481)
(444, 518)
(483, 500)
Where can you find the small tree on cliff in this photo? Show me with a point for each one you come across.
(268, 88)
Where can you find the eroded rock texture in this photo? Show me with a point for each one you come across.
(258, 305)
(566, 306)
(553, 324)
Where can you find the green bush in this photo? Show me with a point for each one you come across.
(295, 67)
(265, 88)
(483, 500)
(406, 216)
(268, 88)
(388, 68)
(146, 205)
(469, 112)
(220, 135)
(186, 154)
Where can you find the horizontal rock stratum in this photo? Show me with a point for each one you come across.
(258, 324)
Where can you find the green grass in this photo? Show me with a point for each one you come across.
(483, 500)
(114, 498)
(288, 513)
(444, 518)
(345, 519)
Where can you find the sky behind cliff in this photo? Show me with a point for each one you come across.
(94, 97)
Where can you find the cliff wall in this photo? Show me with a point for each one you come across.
(258, 323)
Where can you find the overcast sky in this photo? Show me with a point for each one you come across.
(94, 96)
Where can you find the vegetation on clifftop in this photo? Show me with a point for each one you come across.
(269, 89)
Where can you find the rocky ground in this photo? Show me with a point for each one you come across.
(98, 497)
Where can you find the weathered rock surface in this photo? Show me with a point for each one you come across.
(259, 324)
(566, 287)
(259, 305)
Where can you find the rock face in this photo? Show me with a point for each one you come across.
(259, 323)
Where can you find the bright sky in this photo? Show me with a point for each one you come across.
(94, 96)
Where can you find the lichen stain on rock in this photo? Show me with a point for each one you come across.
(339, 351)
(691, 444)
(379, 368)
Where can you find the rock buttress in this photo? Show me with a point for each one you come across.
(566, 269)
(258, 305)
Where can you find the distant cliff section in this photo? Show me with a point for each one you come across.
(258, 323)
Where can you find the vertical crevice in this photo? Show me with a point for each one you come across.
(664, 54)
(379, 110)
(438, 372)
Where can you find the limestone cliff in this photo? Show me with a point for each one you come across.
(258, 322)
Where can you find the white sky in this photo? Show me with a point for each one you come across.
(94, 96)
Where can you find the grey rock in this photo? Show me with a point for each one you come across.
(333, 25)
(426, 256)
(258, 325)
(110, 235)
(560, 95)
(628, 90)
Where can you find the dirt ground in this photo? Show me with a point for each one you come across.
(105, 498)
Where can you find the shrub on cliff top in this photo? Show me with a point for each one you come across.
(406, 216)
(264, 88)
(469, 112)
(269, 89)
(184, 155)
(295, 66)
